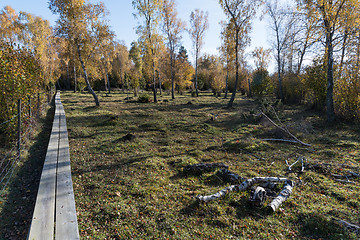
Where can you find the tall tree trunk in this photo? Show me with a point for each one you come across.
(154, 80)
(343, 51)
(107, 79)
(75, 80)
(281, 95)
(250, 93)
(159, 82)
(330, 74)
(67, 84)
(86, 77)
(227, 81)
(196, 73)
(230, 104)
(302, 54)
(172, 75)
(105, 82)
(279, 65)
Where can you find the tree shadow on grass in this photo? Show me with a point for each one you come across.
(18, 209)
(316, 226)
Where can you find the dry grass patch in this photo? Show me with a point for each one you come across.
(135, 189)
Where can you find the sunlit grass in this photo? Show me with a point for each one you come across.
(136, 189)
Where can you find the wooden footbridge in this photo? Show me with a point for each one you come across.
(55, 214)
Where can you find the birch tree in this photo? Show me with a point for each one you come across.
(282, 25)
(172, 27)
(332, 15)
(135, 56)
(84, 25)
(198, 25)
(227, 51)
(150, 11)
(8, 24)
(37, 35)
(240, 14)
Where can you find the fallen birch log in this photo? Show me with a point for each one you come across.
(284, 194)
(259, 196)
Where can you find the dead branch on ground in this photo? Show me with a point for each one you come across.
(284, 129)
(302, 159)
(351, 227)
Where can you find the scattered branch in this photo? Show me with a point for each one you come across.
(351, 227)
(339, 178)
(278, 140)
(344, 181)
(286, 131)
(302, 163)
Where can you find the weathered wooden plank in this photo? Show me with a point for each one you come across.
(55, 201)
(66, 220)
(42, 225)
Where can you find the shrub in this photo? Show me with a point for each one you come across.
(261, 83)
(315, 83)
(293, 88)
(144, 98)
(347, 98)
(20, 77)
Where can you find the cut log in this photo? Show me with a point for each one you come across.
(259, 196)
(284, 194)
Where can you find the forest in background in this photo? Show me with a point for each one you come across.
(82, 53)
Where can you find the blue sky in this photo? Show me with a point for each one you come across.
(122, 21)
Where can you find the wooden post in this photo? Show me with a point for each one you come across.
(48, 95)
(38, 104)
(19, 129)
(29, 106)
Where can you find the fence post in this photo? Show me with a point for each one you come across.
(38, 104)
(48, 96)
(19, 129)
(29, 106)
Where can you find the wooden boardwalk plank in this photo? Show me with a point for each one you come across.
(66, 220)
(55, 202)
(42, 225)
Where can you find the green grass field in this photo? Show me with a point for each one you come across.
(134, 188)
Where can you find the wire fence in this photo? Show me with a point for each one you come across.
(26, 119)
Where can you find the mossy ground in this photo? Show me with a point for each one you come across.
(135, 189)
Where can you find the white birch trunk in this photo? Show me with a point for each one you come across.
(284, 194)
